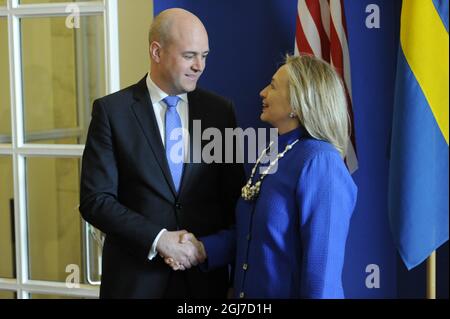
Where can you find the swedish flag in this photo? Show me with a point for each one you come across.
(418, 184)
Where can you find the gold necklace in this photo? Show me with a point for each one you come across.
(251, 192)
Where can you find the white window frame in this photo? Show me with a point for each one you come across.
(19, 150)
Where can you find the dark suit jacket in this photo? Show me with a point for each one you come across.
(127, 192)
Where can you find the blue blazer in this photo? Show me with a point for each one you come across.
(290, 242)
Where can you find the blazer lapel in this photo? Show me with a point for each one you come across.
(146, 118)
(194, 148)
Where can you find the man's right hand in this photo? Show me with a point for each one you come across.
(182, 255)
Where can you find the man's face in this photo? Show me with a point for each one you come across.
(183, 60)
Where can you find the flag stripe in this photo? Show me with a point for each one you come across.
(325, 15)
(344, 21)
(351, 159)
(336, 51)
(428, 55)
(337, 14)
(315, 12)
(442, 8)
(322, 31)
(418, 183)
(340, 60)
(309, 28)
(302, 44)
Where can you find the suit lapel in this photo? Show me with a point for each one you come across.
(146, 118)
(189, 167)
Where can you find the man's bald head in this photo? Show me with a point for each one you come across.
(178, 48)
(171, 24)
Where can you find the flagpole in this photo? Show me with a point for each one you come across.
(431, 276)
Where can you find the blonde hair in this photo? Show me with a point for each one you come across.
(317, 96)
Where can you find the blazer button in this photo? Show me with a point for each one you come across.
(178, 206)
(244, 266)
(241, 295)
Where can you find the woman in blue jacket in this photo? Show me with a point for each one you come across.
(293, 217)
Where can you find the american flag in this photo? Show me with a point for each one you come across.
(322, 32)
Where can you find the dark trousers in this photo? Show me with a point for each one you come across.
(178, 286)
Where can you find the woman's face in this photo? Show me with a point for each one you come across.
(275, 101)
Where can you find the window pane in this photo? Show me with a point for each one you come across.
(7, 261)
(5, 109)
(55, 228)
(63, 72)
(7, 294)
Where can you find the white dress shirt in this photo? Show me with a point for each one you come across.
(159, 107)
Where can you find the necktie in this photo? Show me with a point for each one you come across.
(174, 144)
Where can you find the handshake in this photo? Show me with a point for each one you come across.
(181, 250)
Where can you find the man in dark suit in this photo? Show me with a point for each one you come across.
(135, 190)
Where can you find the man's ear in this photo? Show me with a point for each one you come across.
(155, 51)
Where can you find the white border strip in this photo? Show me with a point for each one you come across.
(49, 287)
(50, 150)
(6, 149)
(59, 150)
(112, 63)
(55, 9)
(20, 220)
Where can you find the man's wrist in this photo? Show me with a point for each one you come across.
(156, 242)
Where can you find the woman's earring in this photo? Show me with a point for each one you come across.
(292, 115)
